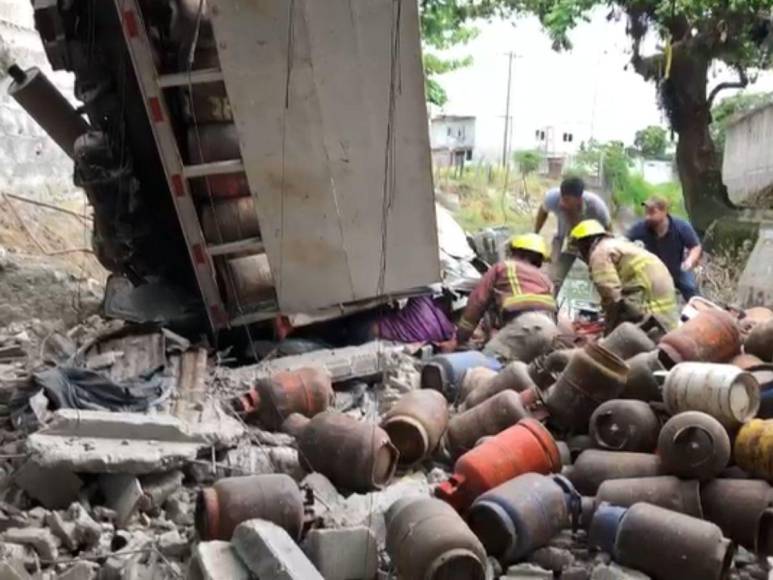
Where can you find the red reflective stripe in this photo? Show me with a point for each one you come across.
(156, 113)
(198, 254)
(130, 22)
(177, 185)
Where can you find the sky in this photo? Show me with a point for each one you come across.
(590, 91)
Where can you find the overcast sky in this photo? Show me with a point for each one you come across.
(588, 90)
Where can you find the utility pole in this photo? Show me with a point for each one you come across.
(510, 57)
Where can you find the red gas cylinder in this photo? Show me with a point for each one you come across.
(523, 448)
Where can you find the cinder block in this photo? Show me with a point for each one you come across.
(216, 560)
(270, 553)
(343, 554)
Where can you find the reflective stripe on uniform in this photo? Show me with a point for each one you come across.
(545, 299)
(466, 324)
(512, 276)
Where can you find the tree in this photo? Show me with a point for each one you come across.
(528, 161)
(694, 35)
(651, 142)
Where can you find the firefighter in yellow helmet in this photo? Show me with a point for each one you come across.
(520, 296)
(632, 282)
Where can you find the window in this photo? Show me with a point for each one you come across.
(448, 131)
(469, 155)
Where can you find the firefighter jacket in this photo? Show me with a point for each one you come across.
(511, 286)
(625, 273)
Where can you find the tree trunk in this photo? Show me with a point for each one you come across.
(685, 99)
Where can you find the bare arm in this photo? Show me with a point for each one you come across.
(693, 256)
(539, 222)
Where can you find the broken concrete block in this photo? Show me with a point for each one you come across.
(616, 572)
(13, 571)
(36, 482)
(40, 539)
(527, 572)
(87, 531)
(63, 530)
(157, 488)
(104, 442)
(80, 571)
(216, 560)
(324, 491)
(343, 554)
(122, 494)
(172, 544)
(270, 553)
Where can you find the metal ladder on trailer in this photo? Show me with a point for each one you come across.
(152, 86)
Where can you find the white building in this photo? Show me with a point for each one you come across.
(452, 138)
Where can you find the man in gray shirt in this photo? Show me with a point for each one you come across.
(571, 204)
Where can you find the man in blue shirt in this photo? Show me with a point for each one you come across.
(671, 239)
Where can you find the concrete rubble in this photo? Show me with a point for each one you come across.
(127, 501)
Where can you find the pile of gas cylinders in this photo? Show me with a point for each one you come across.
(658, 450)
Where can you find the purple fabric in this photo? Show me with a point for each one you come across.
(420, 321)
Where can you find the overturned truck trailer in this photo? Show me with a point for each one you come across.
(245, 158)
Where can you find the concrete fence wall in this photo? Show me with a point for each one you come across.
(31, 163)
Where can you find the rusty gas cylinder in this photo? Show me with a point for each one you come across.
(627, 340)
(216, 142)
(711, 336)
(354, 455)
(415, 424)
(669, 545)
(427, 540)
(248, 280)
(666, 491)
(693, 445)
(620, 425)
(760, 341)
(514, 377)
(230, 220)
(273, 497)
(523, 448)
(753, 449)
(545, 370)
(474, 379)
(725, 392)
(307, 391)
(593, 375)
(445, 372)
(742, 509)
(641, 383)
(489, 418)
(521, 515)
(594, 466)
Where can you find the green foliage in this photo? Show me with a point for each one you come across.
(729, 108)
(651, 142)
(528, 161)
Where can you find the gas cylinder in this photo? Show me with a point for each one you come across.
(746, 361)
(742, 509)
(416, 423)
(620, 425)
(760, 341)
(627, 340)
(521, 515)
(231, 501)
(427, 540)
(354, 455)
(216, 142)
(665, 544)
(712, 335)
(248, 280)
(489, 418)
(445, 372)
(474, 379)
(307, 391)
(594, 466)
(753, 449)
(545, 370)
(693, 445)
(641, 382)
(593, 375)
(523, 448)
(666, 491)
(514, 377)
(230, 220)
(725, 392)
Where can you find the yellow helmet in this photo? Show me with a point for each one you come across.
(586, 229)
(531, 242)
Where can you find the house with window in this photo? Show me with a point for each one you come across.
(452, 138)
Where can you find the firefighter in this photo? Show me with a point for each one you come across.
(521, 296)
(632, 282)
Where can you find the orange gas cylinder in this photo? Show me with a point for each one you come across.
(523, 448)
